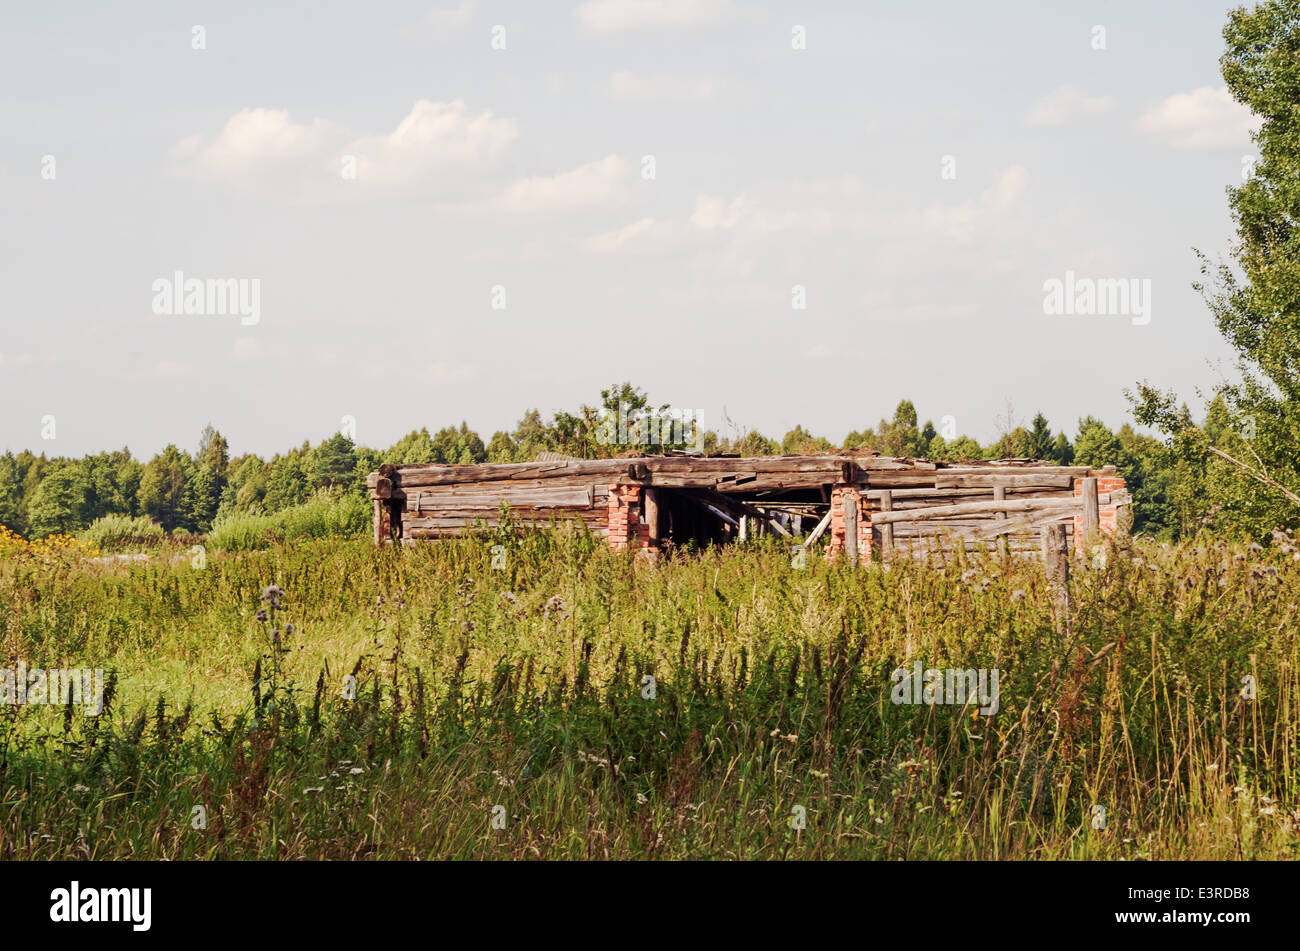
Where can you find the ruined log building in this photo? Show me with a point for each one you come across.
(850, 504)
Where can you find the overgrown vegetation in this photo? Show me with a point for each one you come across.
(327, 515)
(528, 688)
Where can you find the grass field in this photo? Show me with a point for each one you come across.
(508, 713)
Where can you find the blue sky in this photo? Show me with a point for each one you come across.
(519, 173)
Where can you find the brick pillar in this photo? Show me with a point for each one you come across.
(835, 549)
(1108, 485)
(627, 528)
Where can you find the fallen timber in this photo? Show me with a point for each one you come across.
(850, 502)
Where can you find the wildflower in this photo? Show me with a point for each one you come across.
(1017, 596)
(260, 615)
(273, 593)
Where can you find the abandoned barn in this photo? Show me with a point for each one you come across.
(852, 504)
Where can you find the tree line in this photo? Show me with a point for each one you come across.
(187, 492)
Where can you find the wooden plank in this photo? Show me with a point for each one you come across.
(973, 508)
(1091, 512)
(564, 496)
(816, 533)
(851, 529)
(652, 514)
(887, 530)
(970, 480)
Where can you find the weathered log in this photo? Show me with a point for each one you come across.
(977, 508)
(851, 529)
(886, 529)
(1091, 511)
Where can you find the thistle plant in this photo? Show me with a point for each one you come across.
(278, 697)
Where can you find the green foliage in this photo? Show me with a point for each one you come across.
(800, 442)
(288, 484)
(59, 503)
(334, 462)
(325, 515)
(162, 487)
(120, 532)
(1243, 463)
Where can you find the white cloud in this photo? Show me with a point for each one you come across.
(1063, 104)
(434, 136)
(265, 150)
(255, 143)
(441, 372)
(1206, 118)
(713, 213)
(811, 209)
(248, 348)
(627, 86)
(598, 184)
(445, 19)
(961, 223)
(16, 361)
(646, 236)
(171, 370)
(617, 16)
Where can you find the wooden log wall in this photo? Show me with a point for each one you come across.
(913, 504)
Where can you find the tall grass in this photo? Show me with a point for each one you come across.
(324, 516)
(527, 688)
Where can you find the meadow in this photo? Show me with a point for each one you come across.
(575, 703)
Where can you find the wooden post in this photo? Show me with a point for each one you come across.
(744, 528)
(887, 530)
(1056, 561)
(816, 533)
(1000, 495)
(1091, 511)
(652, 515)
(851, 529)
(394, 527)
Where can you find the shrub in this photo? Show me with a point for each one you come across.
(326, 515)
(118, 532)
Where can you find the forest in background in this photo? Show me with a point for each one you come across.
(191, 492)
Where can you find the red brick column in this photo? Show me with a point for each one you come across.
(627, 529)
(1108, 512)
(835, 549)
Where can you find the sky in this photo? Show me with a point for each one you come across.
(768, 213)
